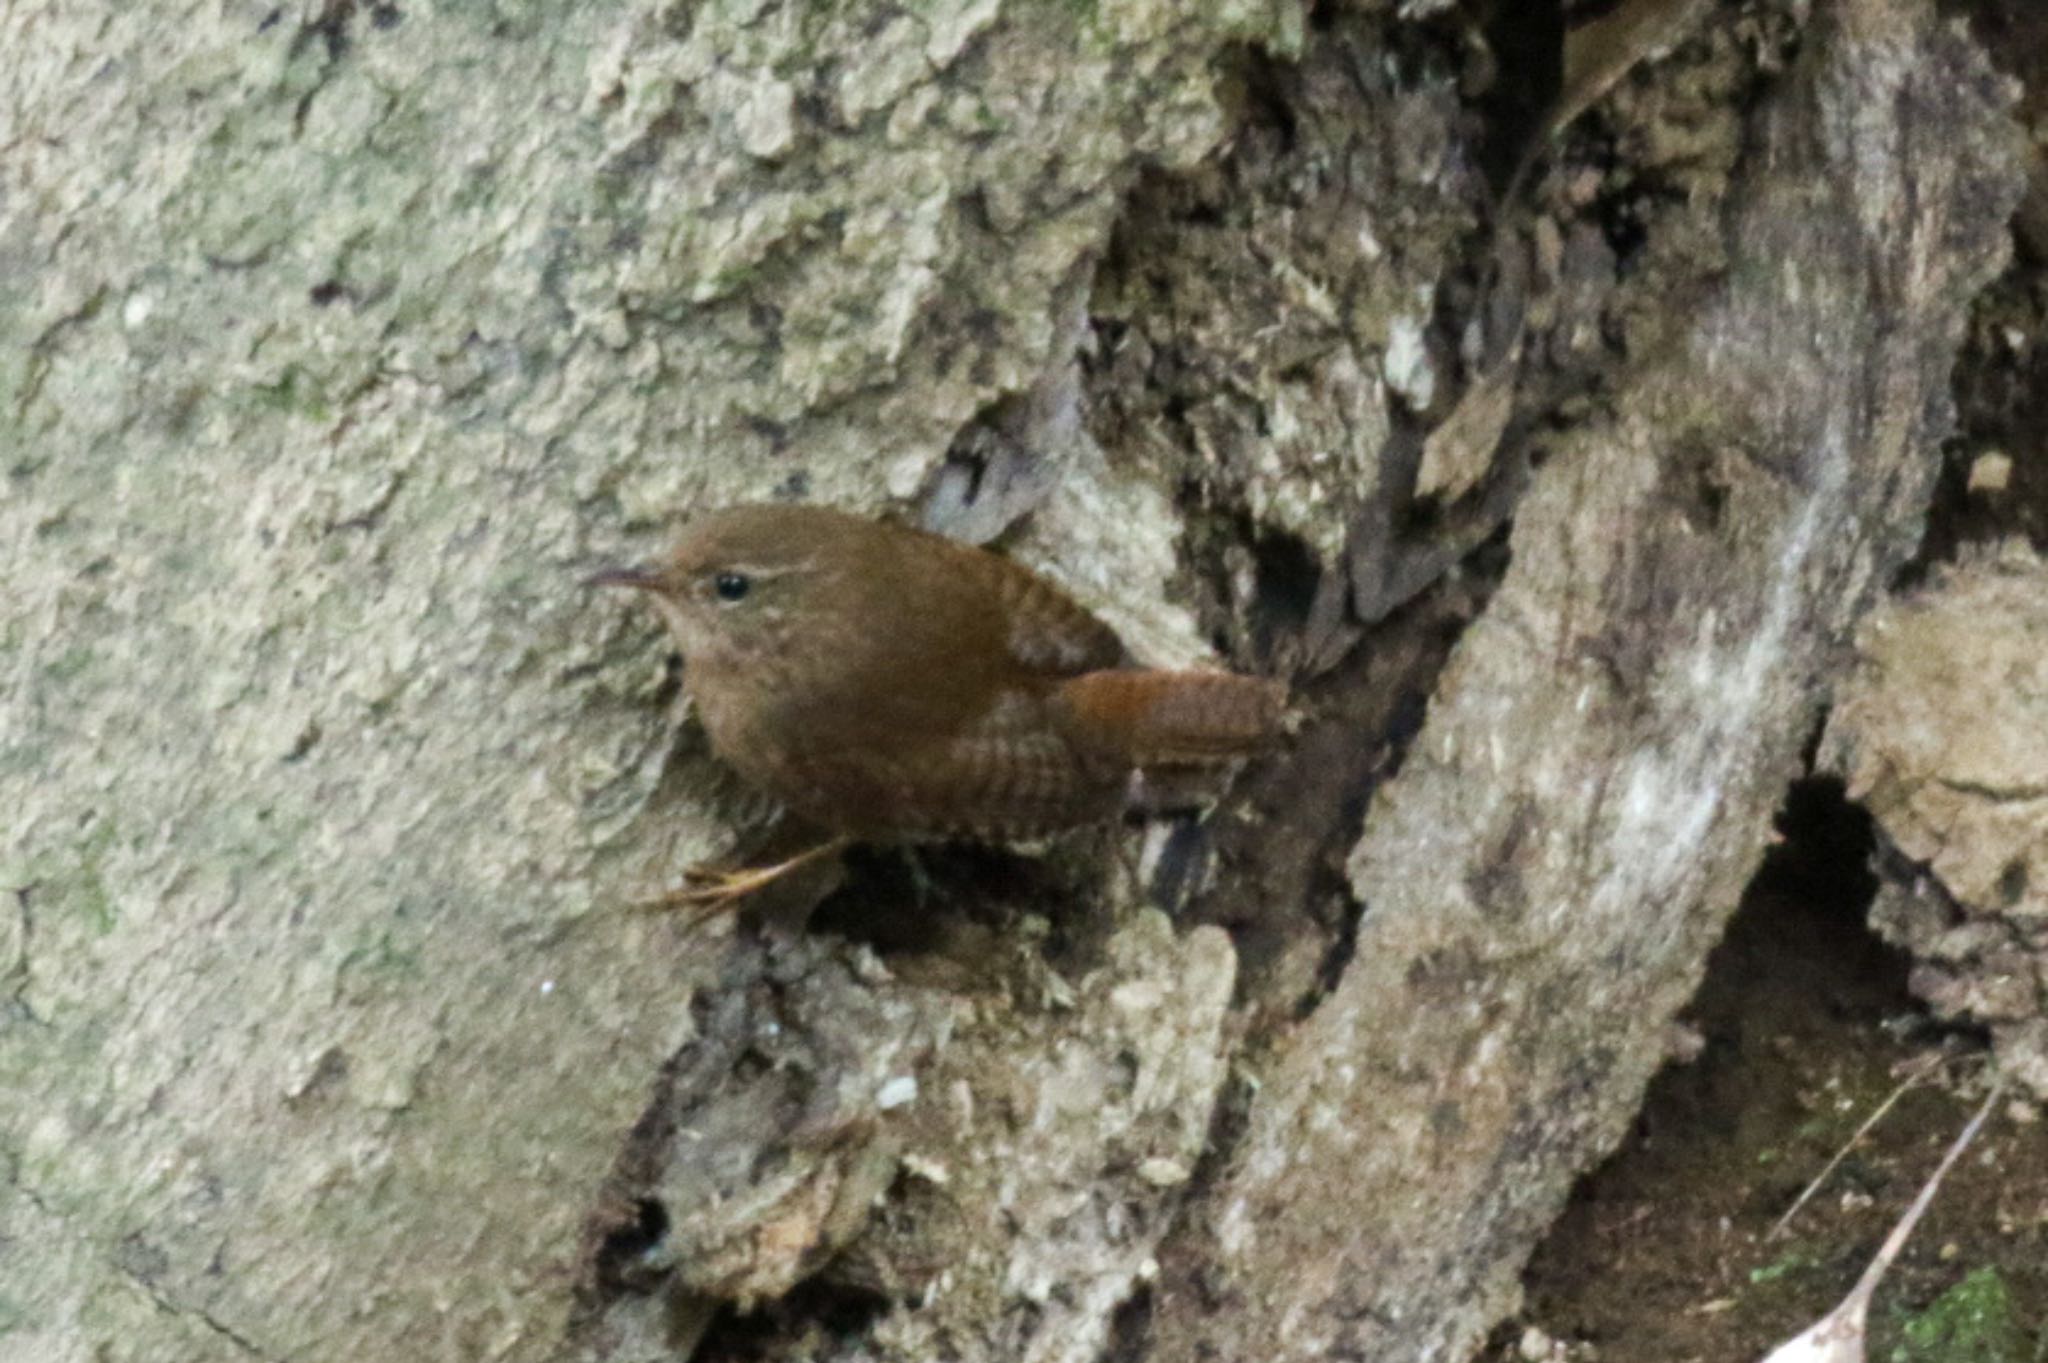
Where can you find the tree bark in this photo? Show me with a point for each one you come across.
(1602, 757)
(337, 343)
(1941, 732)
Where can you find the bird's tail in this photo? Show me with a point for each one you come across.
(1155, 718)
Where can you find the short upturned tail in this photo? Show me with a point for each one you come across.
(1155, 718)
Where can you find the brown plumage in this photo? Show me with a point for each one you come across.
(890, 684)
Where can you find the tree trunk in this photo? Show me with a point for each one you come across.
(338, 343)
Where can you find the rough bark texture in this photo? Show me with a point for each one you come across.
(1603, 755)
(335, 343)
(1942, 732)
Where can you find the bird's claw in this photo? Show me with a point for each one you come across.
(714, 890)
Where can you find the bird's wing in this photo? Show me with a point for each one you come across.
(1049, 633)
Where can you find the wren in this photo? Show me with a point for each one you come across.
(890, 685)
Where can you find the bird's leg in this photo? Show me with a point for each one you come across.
(724, 889)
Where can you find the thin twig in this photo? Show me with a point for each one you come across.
(1896, 1241)
(1928, 1067)
(1838, 1337)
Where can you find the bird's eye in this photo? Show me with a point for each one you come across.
(731, 586)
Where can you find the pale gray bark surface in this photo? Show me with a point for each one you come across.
(336, 343)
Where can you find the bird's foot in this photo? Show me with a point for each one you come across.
(713, 890)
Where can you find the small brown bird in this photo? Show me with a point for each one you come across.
(891, 685)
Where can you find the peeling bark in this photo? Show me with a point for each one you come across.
(1942, 733)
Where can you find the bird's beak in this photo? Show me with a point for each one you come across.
(641, 579)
